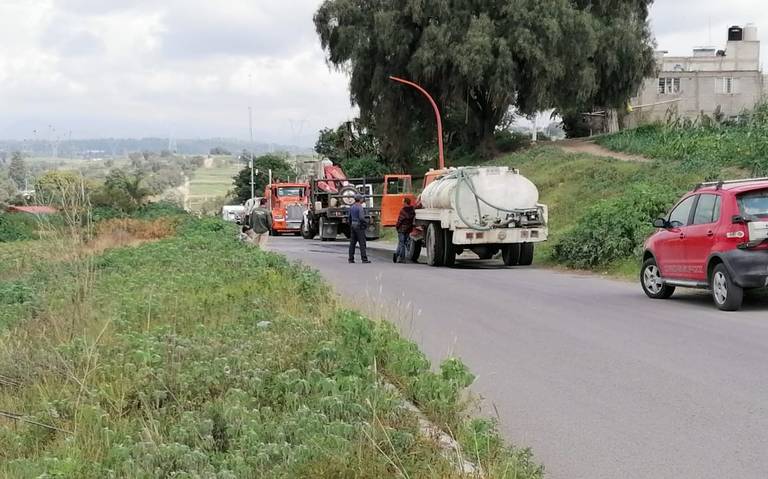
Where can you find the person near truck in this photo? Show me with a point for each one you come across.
(260, 223)
(357, 226)
(404, 226)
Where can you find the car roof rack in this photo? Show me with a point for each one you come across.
(719, 184)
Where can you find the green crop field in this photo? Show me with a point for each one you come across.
(211, 183)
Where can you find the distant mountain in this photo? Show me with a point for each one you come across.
(114, 147)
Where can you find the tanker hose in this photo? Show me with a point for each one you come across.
(462, 177)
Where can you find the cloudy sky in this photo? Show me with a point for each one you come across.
(190, 68)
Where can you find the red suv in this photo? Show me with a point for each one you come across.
(715, 238)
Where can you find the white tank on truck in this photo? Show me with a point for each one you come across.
(486, 210)
(499, 189)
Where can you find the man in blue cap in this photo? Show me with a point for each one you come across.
(357, 226)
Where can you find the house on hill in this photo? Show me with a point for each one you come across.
(726, 81)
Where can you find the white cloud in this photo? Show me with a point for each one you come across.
(681, 25)
(114, 68)
(191, 67)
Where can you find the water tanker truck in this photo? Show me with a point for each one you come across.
(485, 210)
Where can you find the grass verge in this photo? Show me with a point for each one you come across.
(601, 208)
(193, 355)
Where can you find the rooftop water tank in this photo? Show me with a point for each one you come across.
(735, 34)
(750, 33)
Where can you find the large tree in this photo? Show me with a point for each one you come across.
(281, 171)
(479, 58)
(354, 148)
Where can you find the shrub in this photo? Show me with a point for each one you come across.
(614, 229)
(508, 141)
(160, 209)
(17, 227)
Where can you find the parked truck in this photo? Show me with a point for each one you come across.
(485, 210)
(287, 202)
(331, 194)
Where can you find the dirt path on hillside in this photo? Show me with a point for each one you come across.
(592, 148)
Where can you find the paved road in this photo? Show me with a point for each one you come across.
(600, 381)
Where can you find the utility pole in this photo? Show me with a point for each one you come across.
(270, 189)
(250, 129)
(250, 162)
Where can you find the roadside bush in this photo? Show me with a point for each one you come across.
(614, 229)
(508, 141)
(17, 227)
(161, 209)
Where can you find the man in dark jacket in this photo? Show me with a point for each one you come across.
(357, 226)
(404, 227)
(260, 223)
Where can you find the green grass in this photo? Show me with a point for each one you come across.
(198, 356)
(583, 191)
(702, 145)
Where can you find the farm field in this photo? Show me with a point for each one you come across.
(210, 183)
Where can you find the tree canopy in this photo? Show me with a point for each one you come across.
(17, 170)
(354, 148)
(479, 58)
(122, 190)
(281, 171)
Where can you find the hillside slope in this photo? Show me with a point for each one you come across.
(601, 208)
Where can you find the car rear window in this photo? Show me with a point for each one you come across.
(754, 204)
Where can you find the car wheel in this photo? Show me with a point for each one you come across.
(510, 254)
(650, 279)
(727, 295)
(435, 242)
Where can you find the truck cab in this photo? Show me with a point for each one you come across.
(287, 202)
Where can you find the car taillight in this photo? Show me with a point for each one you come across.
(739, 232)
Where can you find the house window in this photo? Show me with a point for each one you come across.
(669, 86)
(727, 86)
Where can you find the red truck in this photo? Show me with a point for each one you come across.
(287, 202)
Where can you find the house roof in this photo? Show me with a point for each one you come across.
(33, 210)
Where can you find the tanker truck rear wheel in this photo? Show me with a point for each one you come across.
(435, 242)
(414, 250)
(526, 254)
(449, 251)
(510, 254)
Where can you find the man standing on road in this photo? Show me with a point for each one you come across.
(260, 222)
(404, 227)
(357, 226)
